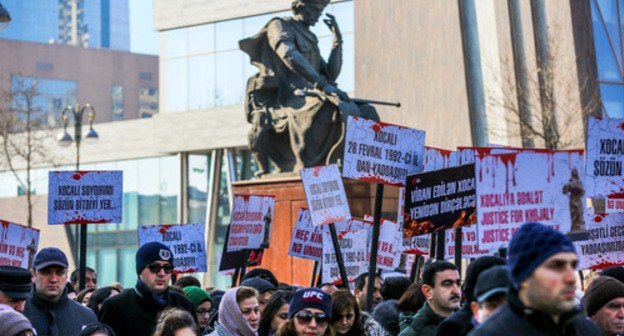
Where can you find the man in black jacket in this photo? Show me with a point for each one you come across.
(134, 312)
(460, 323)
(542, 265)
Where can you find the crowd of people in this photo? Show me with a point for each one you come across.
(532, 292)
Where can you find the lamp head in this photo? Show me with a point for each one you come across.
(5, 18)
(64, 139)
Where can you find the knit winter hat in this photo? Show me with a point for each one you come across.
(13, 322)
(196, 295)
(600, 292)
(616, 272)
(262, 273)
(150, 252)
(259, 284)
(531, 246)
(310, 298)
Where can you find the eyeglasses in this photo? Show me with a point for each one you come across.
(305, 317)
(203, 311)
(155, 268)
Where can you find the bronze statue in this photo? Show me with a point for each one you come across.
(296, 111)
(575, 189)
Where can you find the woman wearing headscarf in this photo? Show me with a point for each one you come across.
(239, 314)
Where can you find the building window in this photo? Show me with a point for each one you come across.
(608, 18)
(44, 99)
(148, 102)
(117, 98)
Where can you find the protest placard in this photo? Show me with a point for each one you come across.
(307, 239)
(470, 246)
(230, 261)
(520, 187)
(83, 197)
(18, 244)
(382, 153)
(186, 242)
(439, 200)
(354, 248)
(605, 156)
(250, 226)
(389, 245)
(325, 193)
(435, 158)
(606, 241)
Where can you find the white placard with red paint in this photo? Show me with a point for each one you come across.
(186, 242)
(354, 249)
(605, 246)
(18, 244)
(520, 187)
(325, 193)
(437, 158)
(250, 226)
(307, 239)
(605, 157)
(382, 153)
(470, 246)
(85, 197)
(389, 245)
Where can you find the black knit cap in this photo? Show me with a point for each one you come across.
(259, 284)
(616, 272)
(15, 282)
(531, 246)
(262, 273)
(600, 292)
(474, 269)
(150, 252)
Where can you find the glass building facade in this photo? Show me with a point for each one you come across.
(608, 22)
(204, 68)
(42, 99)
(98, 23)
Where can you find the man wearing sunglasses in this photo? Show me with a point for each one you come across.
(135, 311)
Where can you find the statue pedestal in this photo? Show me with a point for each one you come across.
(289, 197)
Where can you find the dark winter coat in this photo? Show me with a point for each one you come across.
(458, 324)
(134, 312)
(64, 317)
(514, 318)
(424, 323)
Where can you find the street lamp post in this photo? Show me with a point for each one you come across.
(65, 140)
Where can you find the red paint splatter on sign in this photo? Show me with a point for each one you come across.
(164, 228)
(82, 220)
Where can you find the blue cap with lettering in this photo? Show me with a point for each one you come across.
(310, 298)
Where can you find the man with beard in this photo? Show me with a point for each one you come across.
(542, 265)
(134, 312)
(442, 290)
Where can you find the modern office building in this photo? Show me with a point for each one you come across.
(455, 66)
(94, 23)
